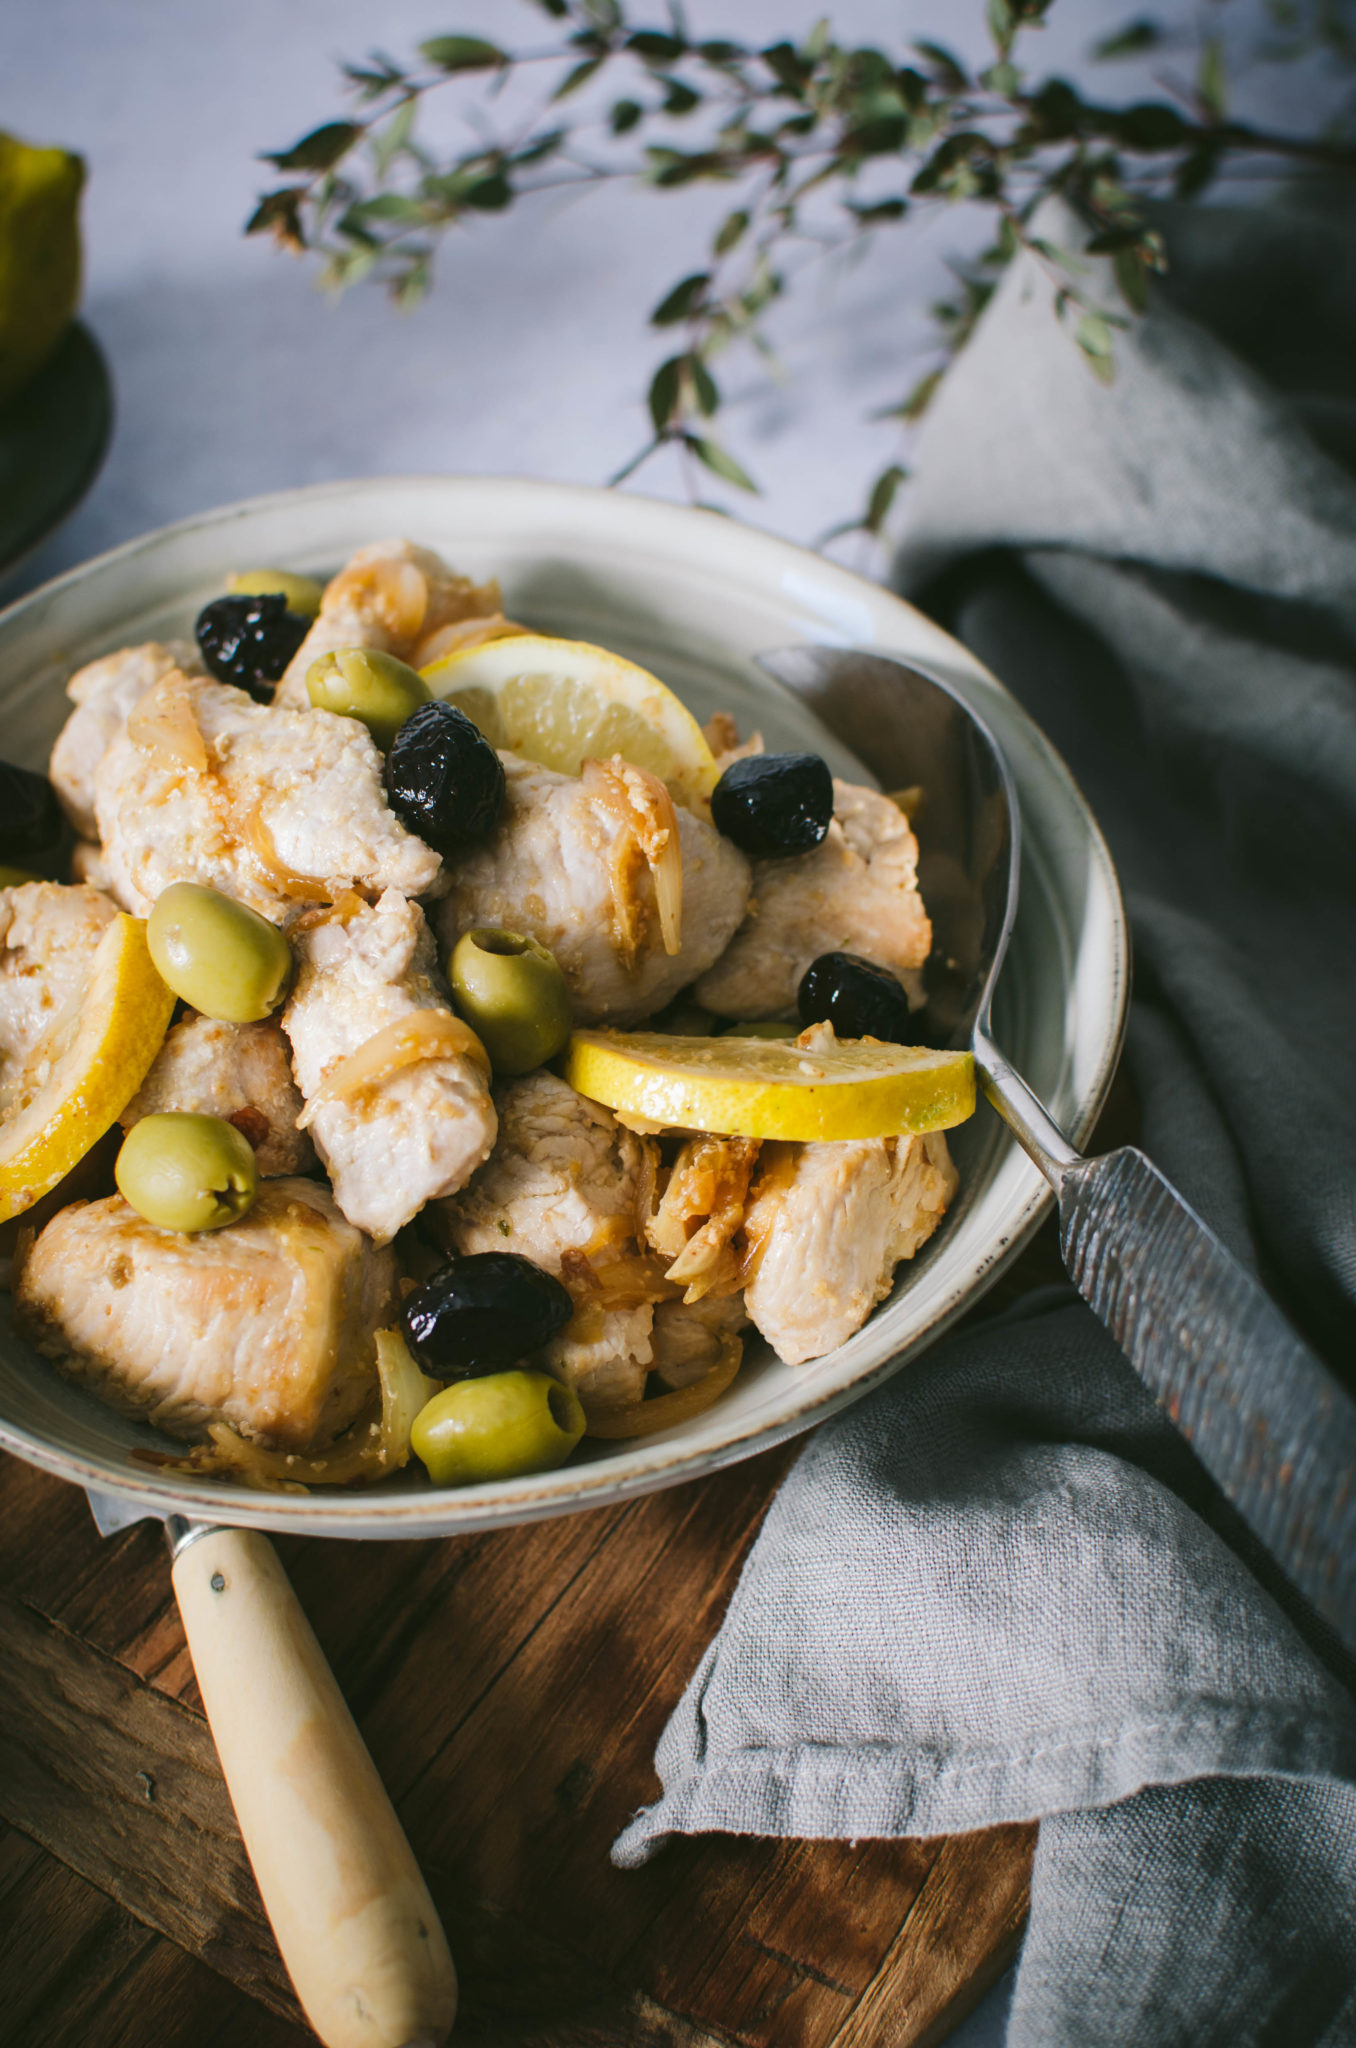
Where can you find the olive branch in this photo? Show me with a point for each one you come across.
(822, 147)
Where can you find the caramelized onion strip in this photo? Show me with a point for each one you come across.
(422, 1035)
(642, 1418)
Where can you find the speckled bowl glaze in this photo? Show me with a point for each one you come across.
(694, 597)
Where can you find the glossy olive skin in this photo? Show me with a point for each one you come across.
(774, 804)
(218, 955)
(858, 998)
(499, 1427)
(365, 683)
(483, 1311)
(30, 816)
(187, 1172)
(249, 640)
(444, 780)
(514, 997)
(301, 594)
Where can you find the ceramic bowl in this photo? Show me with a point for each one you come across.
(694, 597)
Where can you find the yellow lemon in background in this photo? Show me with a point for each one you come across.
(39, 255)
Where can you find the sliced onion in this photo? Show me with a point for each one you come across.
(463, 633)
(422, 1035)
(640, 802)
(642, 1418)
(163, 724)
(391, 593)
(256, 842)
(373, 1447)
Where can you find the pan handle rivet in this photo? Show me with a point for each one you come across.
(217, 1582)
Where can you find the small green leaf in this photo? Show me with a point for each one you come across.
(1002, 24)
(624, 116)
(384, 206)
(579, 76)
(665, 387)
(1132, 278)
(1131, 41)
(536, 152)
(949, 71)
(656, 48)
(491, 194)
(1211, 80)
(720, 462)
(279, 214)
(680, 98)
(462, 53)
(921, 397)
(704, 386)
(1151, 126)
(883, 497)
(880, 210)
(1093, 336)
(392, 137)
(321, 149)
(603, 15)
(557, 9)
(730, 232)
(1003, 78)
(682, 300)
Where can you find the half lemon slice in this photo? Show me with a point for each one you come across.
(86, 1070)
(769, 1088)
(561, 702)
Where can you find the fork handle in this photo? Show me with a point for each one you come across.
(1265, 1417)
(352, 1915)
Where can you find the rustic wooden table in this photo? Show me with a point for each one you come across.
(511, 1688)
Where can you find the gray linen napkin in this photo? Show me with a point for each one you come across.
(1002, 1588)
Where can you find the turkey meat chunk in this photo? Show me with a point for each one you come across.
(573, 863)
(242, 1072)
(104, 694)
(277, 808)
(856, 892)
(825, 1226)
(565, 1187)
(49, 934)
(393, 596)
(268, 1326)
(396, 1087)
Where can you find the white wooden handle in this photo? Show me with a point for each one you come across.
(352, 1915)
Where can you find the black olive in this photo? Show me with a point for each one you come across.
(30, 816)
(773, 804)
(444, 779)
(858, 998)
(249, 641)
(481, 1313)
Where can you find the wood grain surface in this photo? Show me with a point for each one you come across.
(511, 1688)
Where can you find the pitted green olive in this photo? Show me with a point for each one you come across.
(364, 683)
(498, 1427)
(514, 997)
(14, 878)
(187, 1172)
(217, 954)
(303, 593)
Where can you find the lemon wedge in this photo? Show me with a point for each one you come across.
(87, 1069)
(561, 702)
(767, 1088)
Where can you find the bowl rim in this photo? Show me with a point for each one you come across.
(577, 1488)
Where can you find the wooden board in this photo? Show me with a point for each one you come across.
(511, 1688)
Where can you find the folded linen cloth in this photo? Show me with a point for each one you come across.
(1002, 1588)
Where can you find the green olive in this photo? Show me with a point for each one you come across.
(187, 1172)
(497, 1427)
(219, 955)
(14, 878)
(303, 593)
(364, 683)
(514, 997)
(767, 1028)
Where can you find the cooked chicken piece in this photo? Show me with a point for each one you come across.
(392, 595)
(396, 1087)
(104, 693)
(88, 865)
(857, 892)
(267, 1325)
(722, 737)
(240, 1071)
(701, 1209)
(49, 933)
(574, 864)
(565, 1187)
(825, 1227)
(691, 1338)
(278, 808)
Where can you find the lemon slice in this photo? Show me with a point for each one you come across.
(561, 702)
(87, 1070)
(766, 1088)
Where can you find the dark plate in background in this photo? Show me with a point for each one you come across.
(53, 437)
